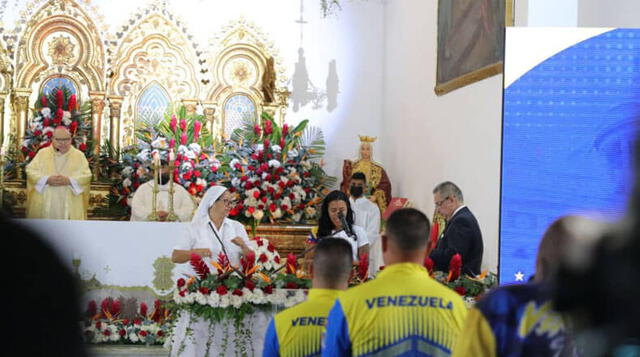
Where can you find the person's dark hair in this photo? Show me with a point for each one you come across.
(408, 228)
(332, 261)
(359, 176)
(325, 226)
(46, 304)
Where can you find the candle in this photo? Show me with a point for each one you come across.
(172, 156)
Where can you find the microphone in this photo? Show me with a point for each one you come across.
(345, 226)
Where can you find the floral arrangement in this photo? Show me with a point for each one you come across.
(57, 108)
(472, 288)
(275, 170)
(225, 290)
(107, 325)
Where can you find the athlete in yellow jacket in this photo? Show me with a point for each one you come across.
(403, 311)
(297, 331)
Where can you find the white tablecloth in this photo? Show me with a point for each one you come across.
(119, 254)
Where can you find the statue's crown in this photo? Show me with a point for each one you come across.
(367, 139)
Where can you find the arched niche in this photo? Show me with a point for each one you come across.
(152, 49)
(60, 38)
(237, 61)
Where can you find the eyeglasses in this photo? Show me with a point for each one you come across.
(439, 203)
(64, 140)
(227, 202)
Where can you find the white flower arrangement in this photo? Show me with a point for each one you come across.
(195, 147)
(46, 112)
(276, 148)
(160, 143)
(274, 163)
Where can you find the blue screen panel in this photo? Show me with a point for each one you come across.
(568, 130)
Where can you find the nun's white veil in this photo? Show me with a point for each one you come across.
(210, 197)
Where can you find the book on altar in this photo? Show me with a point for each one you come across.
(395, 204)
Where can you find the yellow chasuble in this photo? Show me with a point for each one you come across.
(58, 202)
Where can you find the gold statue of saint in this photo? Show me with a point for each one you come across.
(378, 184)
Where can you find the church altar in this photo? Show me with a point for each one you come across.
(127, 256)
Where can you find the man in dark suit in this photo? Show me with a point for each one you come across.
(462, 233)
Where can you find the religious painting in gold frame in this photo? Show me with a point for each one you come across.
(470, 41)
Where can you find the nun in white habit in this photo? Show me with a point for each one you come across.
(211, 232)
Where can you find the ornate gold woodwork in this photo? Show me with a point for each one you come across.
(288, 239)
(115, 106)
(153, 50)
(238, 64)
(60, 38)
(98, 198)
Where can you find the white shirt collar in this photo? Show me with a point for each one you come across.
(458, 210)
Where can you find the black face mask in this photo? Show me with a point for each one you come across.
(356, 191)
(164, 178)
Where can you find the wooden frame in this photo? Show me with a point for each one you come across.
(470, 41)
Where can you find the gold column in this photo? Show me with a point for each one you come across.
(97, 107)
(209, 117)
(21, 108)
(115, 106)
(190, 105)
(3, 96)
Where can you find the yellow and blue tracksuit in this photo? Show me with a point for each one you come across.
(514, 321)
(297, 331)
(402, 312)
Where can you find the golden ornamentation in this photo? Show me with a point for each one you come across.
(61, 50)
(54, 17)
(163, 274)
(367, 139)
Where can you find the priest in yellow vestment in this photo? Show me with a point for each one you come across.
(58, 180)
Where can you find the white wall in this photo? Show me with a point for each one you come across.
(608, 13)
(553, 13)
(428, 139)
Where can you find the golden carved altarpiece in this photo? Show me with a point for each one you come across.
(68, 38)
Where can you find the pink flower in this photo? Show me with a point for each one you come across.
(72, 103)
(183, 139)
(256, 129)
(172, 143)
(174, 123)
(196, 129)
(183, 124)
(59, 99)
(285, 130)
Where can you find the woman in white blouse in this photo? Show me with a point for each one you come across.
(211, 232)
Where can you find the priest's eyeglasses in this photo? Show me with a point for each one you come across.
(62, 140)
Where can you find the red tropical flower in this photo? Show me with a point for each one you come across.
(143, 310)
(72, 103)
(201, 268)
(292, 264)
(268, 289)
(204, 290)
(59, 99)
(455, 267)
(460, 290)
(249, 284)
(263, 258)
(428, 263)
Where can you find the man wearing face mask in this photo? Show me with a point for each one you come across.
(367, 216)
(142, 202)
